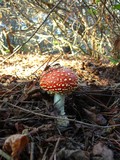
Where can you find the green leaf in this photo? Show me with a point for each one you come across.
(92, 11)
(7, 51)
(114, 61)
(55, 42)
(116, 6)
(97, 1)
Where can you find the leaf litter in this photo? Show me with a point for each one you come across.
(27, 111)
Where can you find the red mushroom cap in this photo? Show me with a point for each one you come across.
(59, 80)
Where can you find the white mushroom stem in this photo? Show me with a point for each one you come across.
(59, 102)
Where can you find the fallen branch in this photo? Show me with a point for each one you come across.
(54, 117)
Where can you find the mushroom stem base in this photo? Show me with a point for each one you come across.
(62, 123)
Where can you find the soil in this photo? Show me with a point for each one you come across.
(93, 109)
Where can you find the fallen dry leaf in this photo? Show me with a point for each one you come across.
(72, 154)
(100, 149)
(15, 144)
(97, 118)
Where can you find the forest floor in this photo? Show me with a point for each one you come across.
(94, 110)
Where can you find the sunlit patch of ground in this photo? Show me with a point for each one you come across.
(29, 66)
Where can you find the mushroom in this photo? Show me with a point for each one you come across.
(60, 81)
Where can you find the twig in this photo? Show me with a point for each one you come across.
(53, 117)
(57, 143)
(18, 48)
(32, 151)
(55, 156)
(5, 155)
(44, 156)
